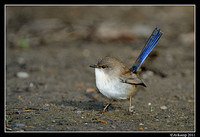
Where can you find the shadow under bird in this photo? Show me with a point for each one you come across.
(115, 80)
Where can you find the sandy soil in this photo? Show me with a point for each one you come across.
(54, 47)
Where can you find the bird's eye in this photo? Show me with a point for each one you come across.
(103, 66)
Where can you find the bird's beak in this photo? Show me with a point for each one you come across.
(93, 66)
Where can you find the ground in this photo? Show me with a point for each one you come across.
(54, 46)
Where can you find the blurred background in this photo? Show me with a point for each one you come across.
(49, 50)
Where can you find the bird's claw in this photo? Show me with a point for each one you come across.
(131, 109)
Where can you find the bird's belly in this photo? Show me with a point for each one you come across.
(112, 87)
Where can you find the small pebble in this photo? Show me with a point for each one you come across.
(163, 107)
(22, 75)
(46, 107)
(31, 85)
(100, 128)
(141, 124)
(79, 111)
(19, 124)
(28, 117)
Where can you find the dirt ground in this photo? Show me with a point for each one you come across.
(50, 86)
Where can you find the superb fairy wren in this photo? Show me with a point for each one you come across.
(116, 81)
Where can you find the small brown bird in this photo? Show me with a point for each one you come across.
(116, 81)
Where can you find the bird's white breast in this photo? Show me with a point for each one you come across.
(111, 87)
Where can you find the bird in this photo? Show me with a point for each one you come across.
(115, 80)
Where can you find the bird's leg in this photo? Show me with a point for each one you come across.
(104, 110)
(130, 105)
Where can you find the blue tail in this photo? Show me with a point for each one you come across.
(151, 43)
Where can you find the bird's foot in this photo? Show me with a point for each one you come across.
(131, 109)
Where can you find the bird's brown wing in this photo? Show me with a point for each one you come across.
(132, 81)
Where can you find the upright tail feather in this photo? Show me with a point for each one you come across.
(151, 43)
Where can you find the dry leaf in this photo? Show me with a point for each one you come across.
(25, 111)
(191, 101)
(95, 96)
(89, 90)
(102, 121)
(141, 129)
(31, 126)
(6, 123)
(80, 85)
